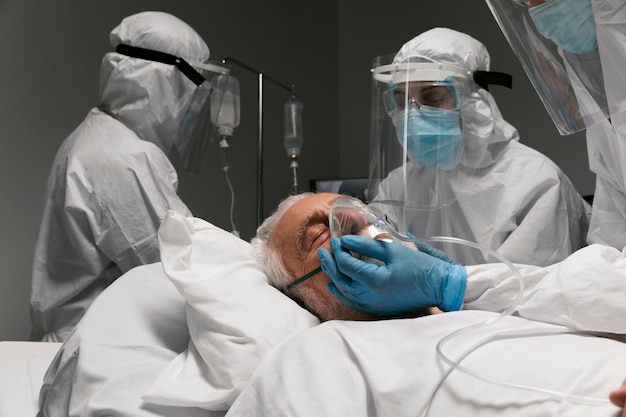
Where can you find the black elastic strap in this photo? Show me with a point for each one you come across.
(486, 78)
(162, 57)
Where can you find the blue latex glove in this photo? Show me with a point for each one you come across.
(409, 280)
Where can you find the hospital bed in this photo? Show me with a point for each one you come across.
(202, 334)
(22, 367)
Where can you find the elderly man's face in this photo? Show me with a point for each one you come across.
(301, 231)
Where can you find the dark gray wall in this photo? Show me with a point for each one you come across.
(49, 80)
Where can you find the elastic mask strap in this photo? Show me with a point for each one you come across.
(486, 78)
(162, 57)
(304, 278)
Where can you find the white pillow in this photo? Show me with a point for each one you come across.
(235, 317)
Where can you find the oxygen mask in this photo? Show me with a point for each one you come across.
(349, 216)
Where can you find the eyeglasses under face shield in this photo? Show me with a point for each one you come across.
(435, 94)
(422, 84)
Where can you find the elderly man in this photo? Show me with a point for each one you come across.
(300, 257)
(294, 241)
(287, 243)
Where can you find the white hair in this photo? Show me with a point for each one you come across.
(324, 306)
(271, 259)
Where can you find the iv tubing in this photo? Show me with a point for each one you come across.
(226, 169)
(232, 203)
(295, 180)
(294, 167)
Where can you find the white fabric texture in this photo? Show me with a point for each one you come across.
(446, 46)
(132, 354)
(22, 367)
(507, 197)
(129, 335)
(147, 347)
(606, 141)
(390, 368)
(585, 292)
(235, 317)
(522, 206)
(111, 182)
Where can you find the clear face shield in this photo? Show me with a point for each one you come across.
(426, 116)
(416, 142)
(568, 81)
(197, 129)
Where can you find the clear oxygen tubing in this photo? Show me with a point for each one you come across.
(455, 364)
(380, 224)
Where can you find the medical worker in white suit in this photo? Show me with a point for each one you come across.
(574, 52)
(443, 161)
(111, 182)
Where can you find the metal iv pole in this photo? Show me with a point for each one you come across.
(261, 77)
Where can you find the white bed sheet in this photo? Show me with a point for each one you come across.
(176, 338)
(129, 335)
(390, 368)
(138, 331)
(22, 367)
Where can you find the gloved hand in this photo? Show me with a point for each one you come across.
(409, 280)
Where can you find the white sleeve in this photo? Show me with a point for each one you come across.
(586, 291)
(609, 162)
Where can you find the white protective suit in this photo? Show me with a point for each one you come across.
(111, 182)
(606, 141)
(507, 197)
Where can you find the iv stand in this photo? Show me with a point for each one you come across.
(259, 186)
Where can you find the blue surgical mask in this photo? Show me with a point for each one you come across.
(433, 136)
(567, 23)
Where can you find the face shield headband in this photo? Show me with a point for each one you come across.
(429, 71)
(428, 96)
(164, 58)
